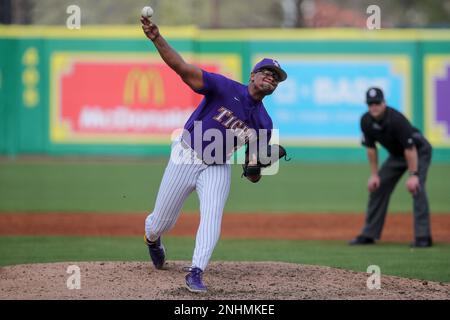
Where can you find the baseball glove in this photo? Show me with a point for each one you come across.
(253, 171)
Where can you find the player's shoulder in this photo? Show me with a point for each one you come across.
(217, 84)
(365, 116)
(395, 115)
(393, 112)
(217, 77)
(366, 119)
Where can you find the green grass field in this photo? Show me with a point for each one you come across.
(131, 186)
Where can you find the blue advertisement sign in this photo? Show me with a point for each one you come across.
(323, 99)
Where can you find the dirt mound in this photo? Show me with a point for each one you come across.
(226, 280)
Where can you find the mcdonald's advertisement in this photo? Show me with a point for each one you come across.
(117, 98)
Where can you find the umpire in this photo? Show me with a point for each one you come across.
(408, 150)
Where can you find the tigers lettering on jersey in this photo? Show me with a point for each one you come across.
(227, 118)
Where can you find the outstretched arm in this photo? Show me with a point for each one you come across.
(190, 74)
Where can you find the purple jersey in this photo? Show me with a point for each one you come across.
(227, 104)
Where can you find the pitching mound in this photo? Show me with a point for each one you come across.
(226, 280)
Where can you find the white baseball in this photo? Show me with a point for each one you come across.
(147, 12)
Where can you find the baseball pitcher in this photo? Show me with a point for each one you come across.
(227, 106)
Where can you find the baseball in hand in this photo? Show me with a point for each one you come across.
(147, 12)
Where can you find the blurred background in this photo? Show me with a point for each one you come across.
(236, 13)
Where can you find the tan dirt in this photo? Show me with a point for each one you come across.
(398, 228)
(225, 280)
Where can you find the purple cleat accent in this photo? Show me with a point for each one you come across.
(194, 280)
(157, 252)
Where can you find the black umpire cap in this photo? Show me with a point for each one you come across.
(374, 95)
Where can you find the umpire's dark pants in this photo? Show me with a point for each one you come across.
(390, 173)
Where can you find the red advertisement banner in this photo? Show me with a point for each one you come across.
(116, 100)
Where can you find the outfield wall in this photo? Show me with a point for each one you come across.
(105, 90)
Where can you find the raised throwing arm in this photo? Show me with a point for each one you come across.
(189, 73)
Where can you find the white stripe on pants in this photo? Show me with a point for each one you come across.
(212, 183)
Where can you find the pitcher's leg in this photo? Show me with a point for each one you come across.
(390, 173)
(176, 185)
(213, 187)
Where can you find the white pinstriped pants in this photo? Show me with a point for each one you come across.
(212, 183)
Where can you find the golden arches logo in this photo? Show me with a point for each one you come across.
(144, 81)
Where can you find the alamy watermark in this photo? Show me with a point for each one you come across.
(374, 20)
(374, 280)
(74, 19)
(74, 280)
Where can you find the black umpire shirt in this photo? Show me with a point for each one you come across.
(394, 132)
